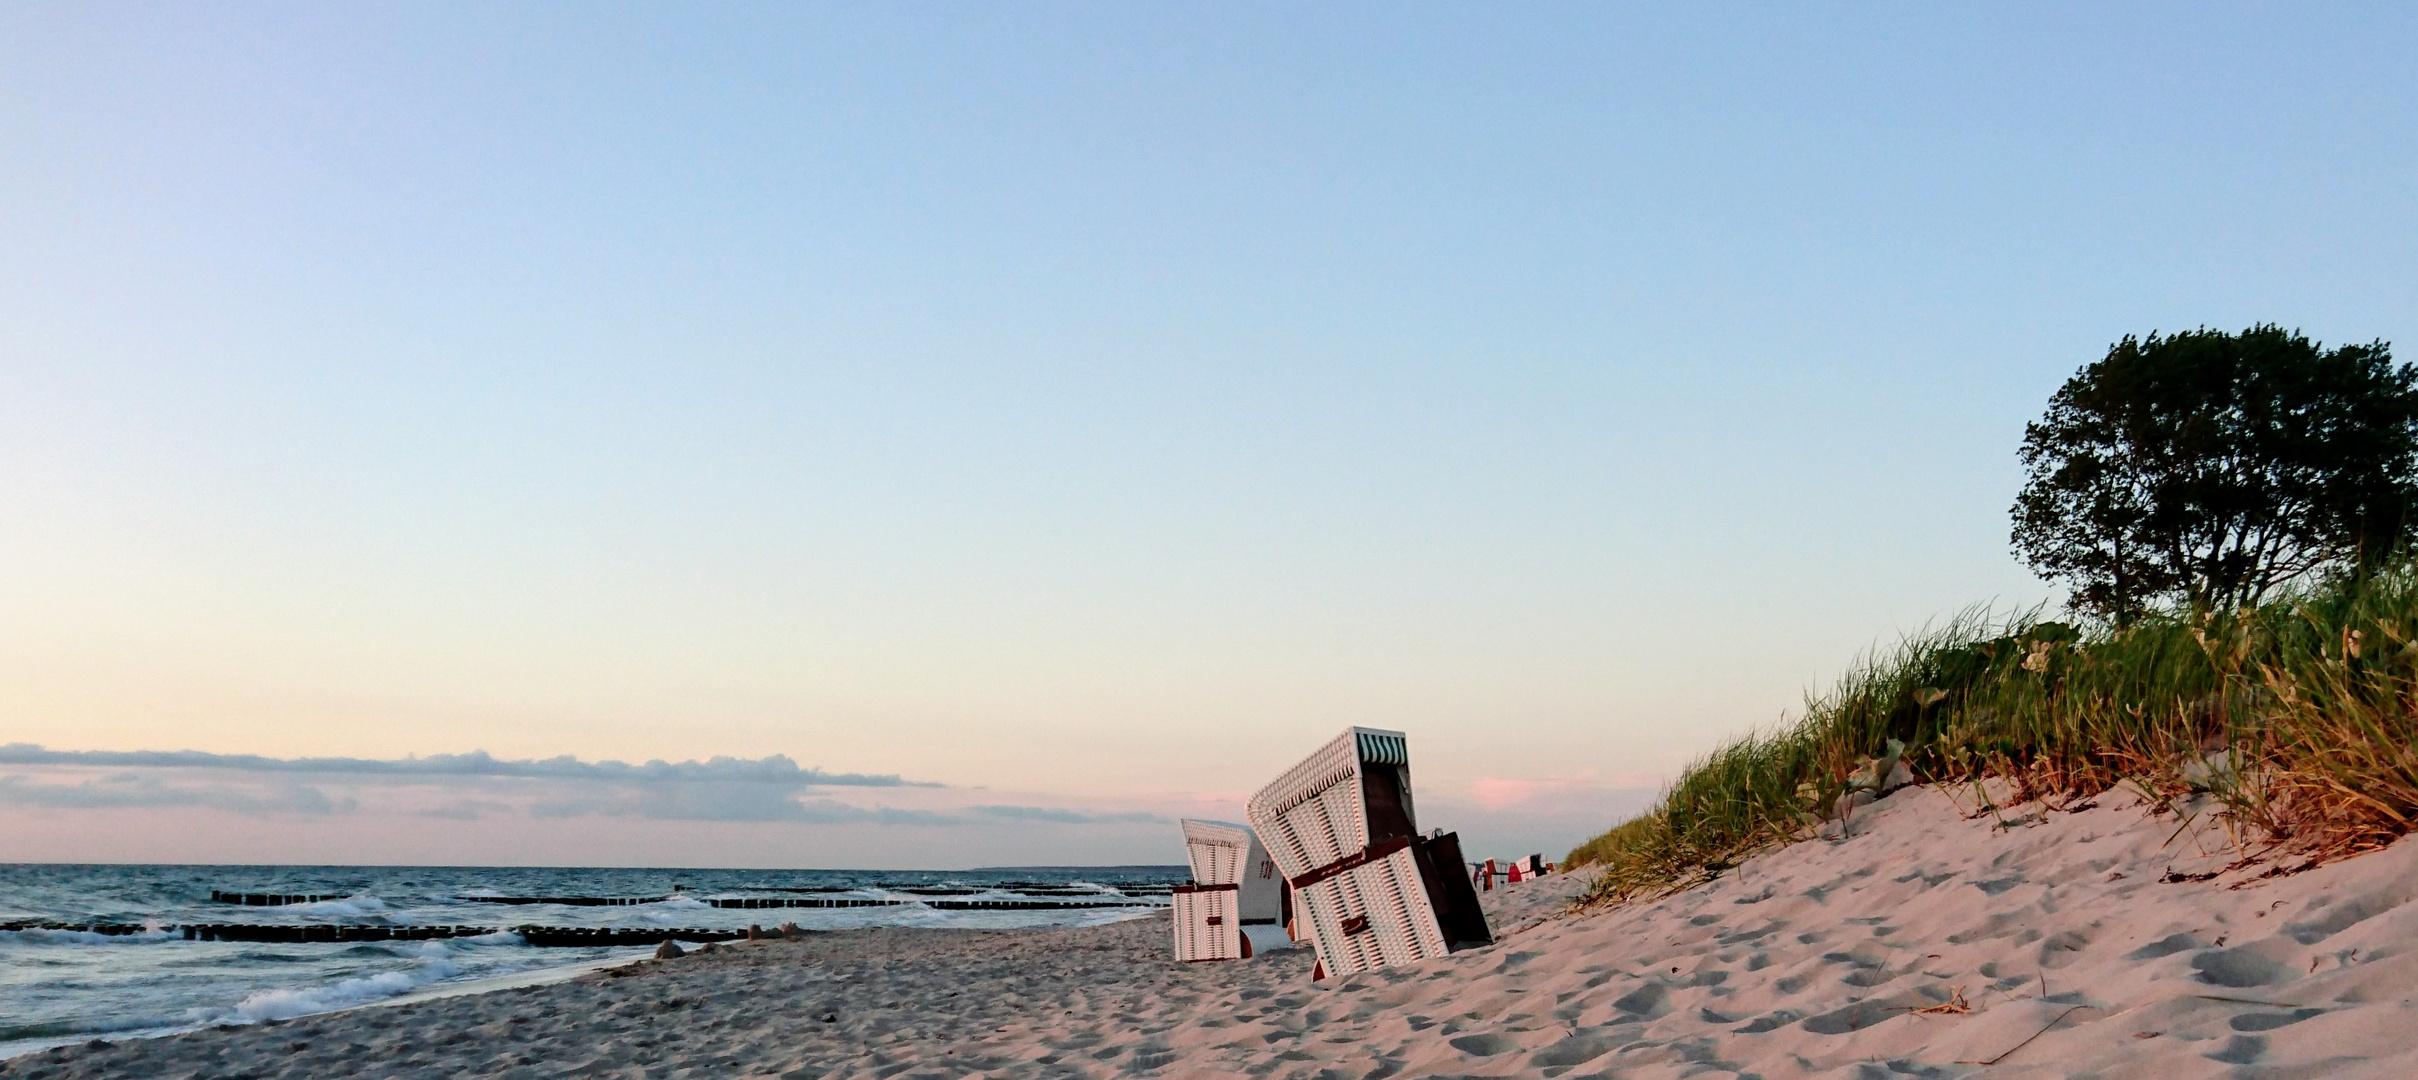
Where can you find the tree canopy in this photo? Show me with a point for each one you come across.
(2210, 467)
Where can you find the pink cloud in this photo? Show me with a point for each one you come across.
(1503, 793)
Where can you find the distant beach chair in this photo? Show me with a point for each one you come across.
(1234, 890)
(1341, 829)
(1537, 866)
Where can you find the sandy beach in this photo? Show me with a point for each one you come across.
(2037, 944)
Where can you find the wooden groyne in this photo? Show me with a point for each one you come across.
(105, 929)
(262, 899)
(752, 903)
(340, 933)
(599, 936)
(305, 933)
(1030, 905)
(755, 902)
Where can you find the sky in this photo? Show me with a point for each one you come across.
(948, 435)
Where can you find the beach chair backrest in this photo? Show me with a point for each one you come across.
(1354, 792)
(1219, 851)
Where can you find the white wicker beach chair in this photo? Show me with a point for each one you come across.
(1234, 889)
(1341, 829)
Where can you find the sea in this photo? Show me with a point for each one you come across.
(139, 972)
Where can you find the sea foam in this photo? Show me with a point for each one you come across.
(290, 1003)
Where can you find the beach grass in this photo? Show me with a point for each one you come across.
(2296, 719)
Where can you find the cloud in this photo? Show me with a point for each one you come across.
(467, 810)
(776, 769)
(728, 802)
(126, 789)
(1502, 793)
(1058, 816)
(476, 786)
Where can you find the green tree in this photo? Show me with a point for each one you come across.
(2210, 467)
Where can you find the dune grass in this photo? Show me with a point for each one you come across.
(2297, 719)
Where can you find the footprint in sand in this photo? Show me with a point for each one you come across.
(2166, 946)
(2272, 1021)
(2241, 1050)
(1771, 1022)
(1743, 937)
(1862, 1014)
(1647, 1002)
(1576, 1050)
(2064, 948)
(1485, 1045)
(2240, 966)
(2340, 917)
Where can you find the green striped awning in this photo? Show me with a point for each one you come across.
(1384, 748)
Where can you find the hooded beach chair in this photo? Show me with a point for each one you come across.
(1341, 829)
(1234, 890)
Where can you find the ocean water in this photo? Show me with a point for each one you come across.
(59, 986)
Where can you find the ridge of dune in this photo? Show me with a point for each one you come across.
(2060, 932)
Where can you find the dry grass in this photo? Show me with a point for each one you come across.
(2299, 719)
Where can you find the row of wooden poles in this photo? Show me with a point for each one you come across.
(746, 902)
(312, 933)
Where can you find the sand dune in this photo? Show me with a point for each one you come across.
(2056, 930)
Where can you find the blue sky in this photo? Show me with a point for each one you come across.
(1090, 407)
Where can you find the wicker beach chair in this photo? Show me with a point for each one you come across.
(1341, 829)
(1234, 891)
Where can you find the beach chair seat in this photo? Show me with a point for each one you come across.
(1208, 923)
(1341, 828)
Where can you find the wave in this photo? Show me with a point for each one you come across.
(303, 1001)
(440, 948)
(82, 937)
(351, 907)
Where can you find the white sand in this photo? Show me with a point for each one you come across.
(2075, 958)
